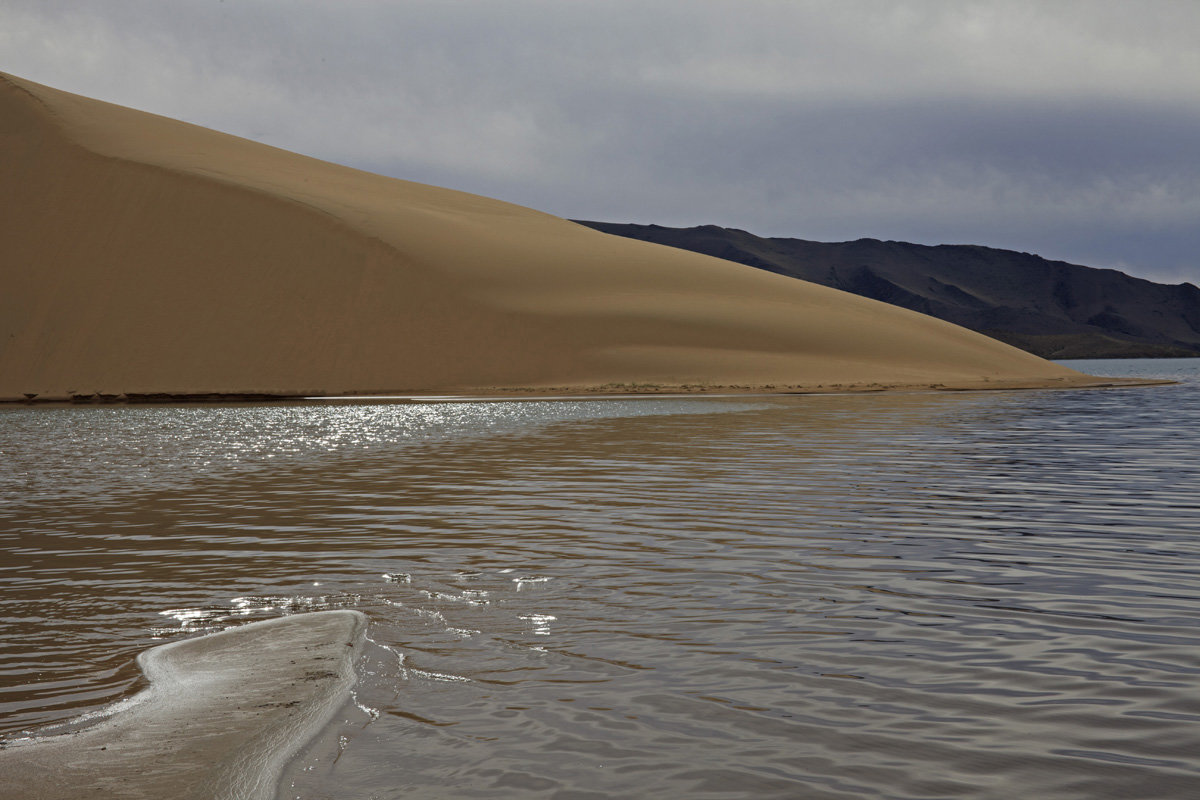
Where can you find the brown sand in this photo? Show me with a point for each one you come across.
(144, 255)
(221, 717)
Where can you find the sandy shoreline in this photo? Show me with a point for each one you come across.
(573, 392)
(221, 717)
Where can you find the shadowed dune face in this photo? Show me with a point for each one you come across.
(146, 255)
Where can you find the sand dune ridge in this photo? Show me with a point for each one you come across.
(145, 255)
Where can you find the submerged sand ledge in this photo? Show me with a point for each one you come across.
(221, 717)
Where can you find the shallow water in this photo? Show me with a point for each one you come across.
(934, 595)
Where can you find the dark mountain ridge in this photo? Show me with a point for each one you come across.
(1050, 308)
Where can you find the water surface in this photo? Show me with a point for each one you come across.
(903, 596)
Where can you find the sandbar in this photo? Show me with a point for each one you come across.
(220, 718)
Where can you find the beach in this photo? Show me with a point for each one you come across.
(151, 264)
(565, 401)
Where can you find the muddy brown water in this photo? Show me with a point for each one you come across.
(985, 595)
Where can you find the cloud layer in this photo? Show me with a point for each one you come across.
(1071, 129)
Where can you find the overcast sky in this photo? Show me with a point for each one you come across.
(1067, 129)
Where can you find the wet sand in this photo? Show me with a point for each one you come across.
(221, 716)
(147, 259)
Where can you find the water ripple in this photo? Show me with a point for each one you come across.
(926, 596)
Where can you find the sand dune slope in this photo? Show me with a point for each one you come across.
(140, 254)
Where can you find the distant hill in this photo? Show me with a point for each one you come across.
(1050, 308)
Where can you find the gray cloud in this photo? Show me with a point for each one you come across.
(1069, 129)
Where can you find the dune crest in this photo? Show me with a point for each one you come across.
(143, 256)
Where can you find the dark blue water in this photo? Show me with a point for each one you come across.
(985, 595)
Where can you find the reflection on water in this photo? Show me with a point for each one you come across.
(966, 595)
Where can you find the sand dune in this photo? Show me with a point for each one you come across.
(144, 255)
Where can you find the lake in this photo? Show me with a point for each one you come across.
(942, 595)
